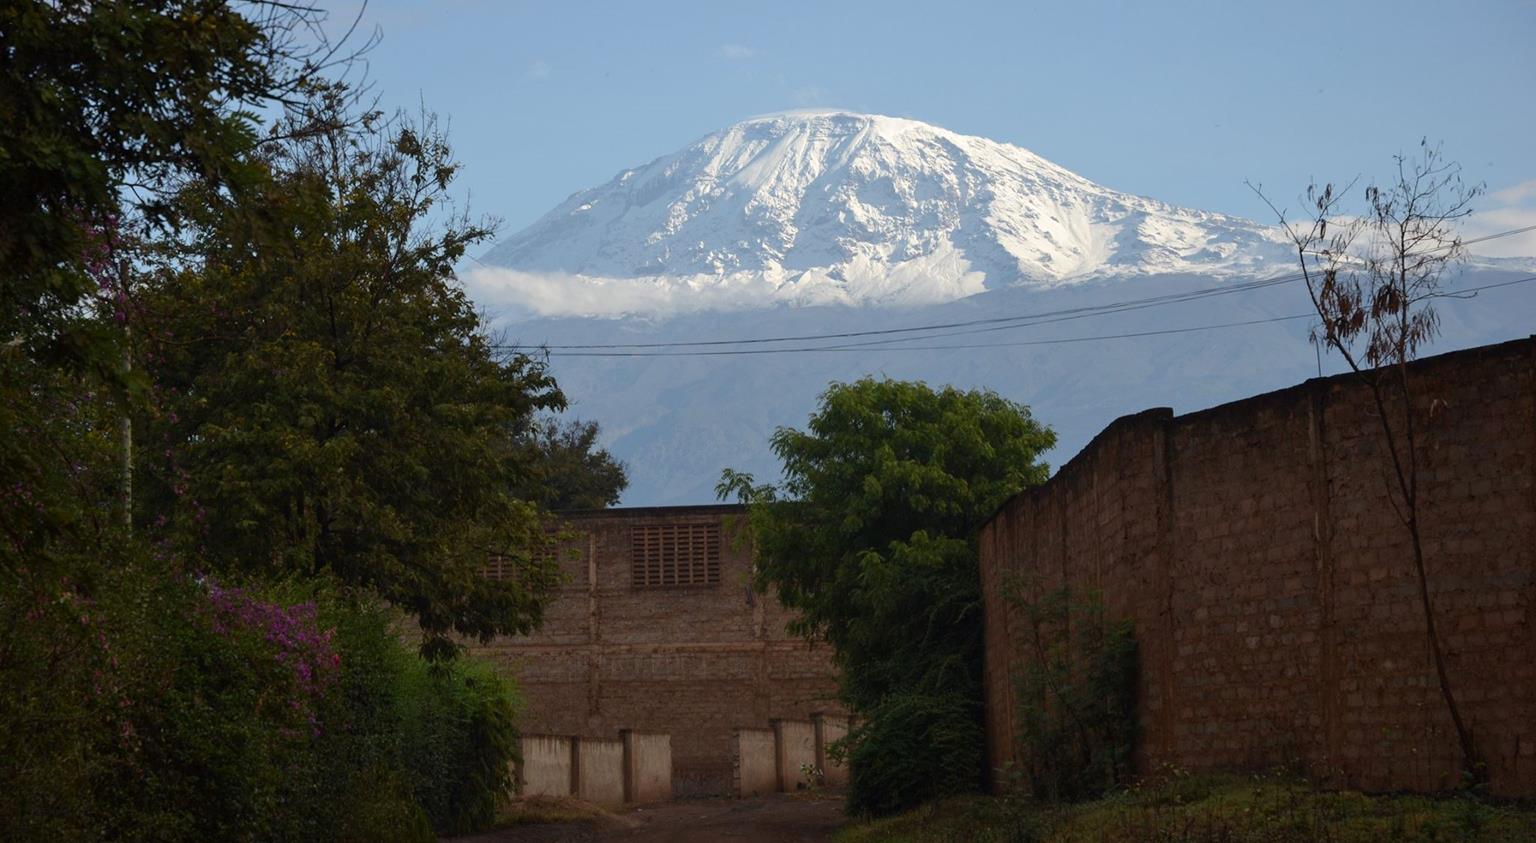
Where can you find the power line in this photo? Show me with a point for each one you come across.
(1062, 340)
(1468, 293)
(1107, 310)
(1168, 298)
(856, 347)
(1497, 235)
(1022, 320)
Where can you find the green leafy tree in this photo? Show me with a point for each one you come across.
(570, 470)
(331, 402)
(871, 539)
(138, 701)
(104, 108)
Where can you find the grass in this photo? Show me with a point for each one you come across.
(548, 809)
(1208, 809)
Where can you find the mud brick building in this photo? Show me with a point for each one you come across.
(1256, 550)
(657, 630)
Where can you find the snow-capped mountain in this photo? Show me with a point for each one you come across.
(834, 207)
(674, 262)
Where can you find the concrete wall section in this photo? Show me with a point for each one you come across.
(600, 771)
(796, 744)
(1257, 549)
(647, 767)
(829, 730)
(546, 769)
(756, 762)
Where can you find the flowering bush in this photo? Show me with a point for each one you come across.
(298, 645)
(141, 703)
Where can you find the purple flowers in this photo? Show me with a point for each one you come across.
(307, 652)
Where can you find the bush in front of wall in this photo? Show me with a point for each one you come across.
(1076, 694)
(913, 748)
(142, 703)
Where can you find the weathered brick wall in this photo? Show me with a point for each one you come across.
(695, 662)
(1256, 549)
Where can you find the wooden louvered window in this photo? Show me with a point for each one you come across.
(667, 555)
(500, 566)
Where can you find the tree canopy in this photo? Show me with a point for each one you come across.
(104, 109)
(570, 471)
(249, 342)
(330, 400)
(871, 539)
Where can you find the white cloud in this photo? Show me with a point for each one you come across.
(540, 70)
(1522, 192)
(1502, 210)
(737, 52)
(510, 295)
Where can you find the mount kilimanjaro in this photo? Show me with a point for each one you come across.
(832, 207)
(830, 222)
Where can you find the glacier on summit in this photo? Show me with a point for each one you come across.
(835, 207)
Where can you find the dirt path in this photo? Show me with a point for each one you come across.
(776, 819)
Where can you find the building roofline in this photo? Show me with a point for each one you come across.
(653, 511)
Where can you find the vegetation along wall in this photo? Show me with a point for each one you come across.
(1256, 550)
(656, 629)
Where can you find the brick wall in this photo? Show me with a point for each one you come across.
(695, 662)
(1256, 550)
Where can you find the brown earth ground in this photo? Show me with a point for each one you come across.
(783, 818)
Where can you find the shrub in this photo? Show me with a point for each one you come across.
(59, 703)
(459, 739)
(438, 737)
(913, 748)
(152, 705)
(1077, 695)
(358, 784)
(220, 694)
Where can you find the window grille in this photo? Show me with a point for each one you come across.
(498, 567)
(665, 555)
(501, 566)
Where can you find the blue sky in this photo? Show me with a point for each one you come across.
(1179, 101)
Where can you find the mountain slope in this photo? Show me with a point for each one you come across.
(832, 207)
(677, 421)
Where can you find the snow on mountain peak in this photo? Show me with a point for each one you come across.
(829, 206)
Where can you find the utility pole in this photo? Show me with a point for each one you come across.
(127, 429)
(125, 424)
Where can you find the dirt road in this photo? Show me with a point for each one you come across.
(777, 819)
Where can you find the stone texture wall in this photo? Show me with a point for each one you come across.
(695, 662)
(1256, 549)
